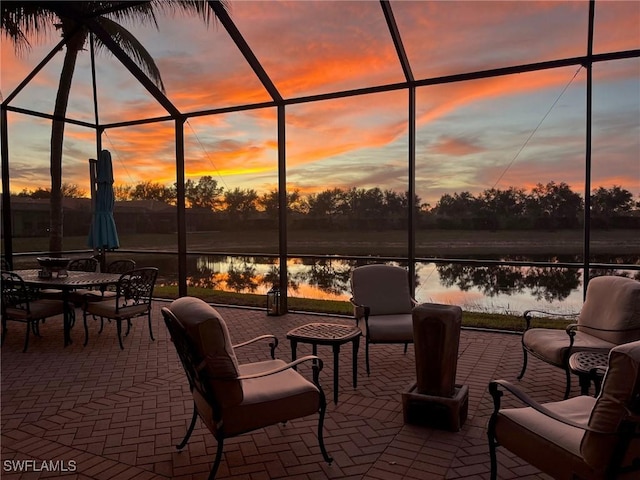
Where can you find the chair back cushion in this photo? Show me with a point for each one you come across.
(382, 288)
(611, 310)
(209, 334)
(620, 387)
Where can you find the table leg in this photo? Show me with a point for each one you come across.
(294, 347)
(336, 363)
(67, 317)
(585, 383)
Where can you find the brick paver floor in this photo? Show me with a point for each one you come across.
(102, 413)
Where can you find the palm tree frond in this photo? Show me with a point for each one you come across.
(22, 21)
(133, 48)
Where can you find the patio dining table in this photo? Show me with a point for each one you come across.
(68, 282)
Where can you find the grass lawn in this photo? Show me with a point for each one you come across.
(469, 319)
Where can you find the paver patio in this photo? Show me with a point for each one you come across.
(111, 414)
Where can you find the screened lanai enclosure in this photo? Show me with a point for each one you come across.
(492, 148)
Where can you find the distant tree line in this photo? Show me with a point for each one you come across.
(550, 206)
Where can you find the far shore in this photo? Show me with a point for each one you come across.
(432, 243)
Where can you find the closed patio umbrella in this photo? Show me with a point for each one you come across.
(103, 234)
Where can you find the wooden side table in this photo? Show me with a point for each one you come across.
(328, 334)
(590, 367)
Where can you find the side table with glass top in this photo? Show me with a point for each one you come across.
(589, 367)
(328, 334)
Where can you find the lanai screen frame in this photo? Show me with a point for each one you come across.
(410, 84)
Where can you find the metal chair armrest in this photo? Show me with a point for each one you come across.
(272, 345)
(494, 389)
(317, 362)
(527, 315)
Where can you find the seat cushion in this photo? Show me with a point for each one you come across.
(38, 309)
(612, 303)
(551, 344)
(108, 309)
(546, 443)
(272, 399)
(382, 288)
(620, 385)
(391, 328)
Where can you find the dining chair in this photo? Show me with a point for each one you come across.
(109, 292)
(20, 305)
(120, 266)
(232, 398)
(133, 296)
(382, 305)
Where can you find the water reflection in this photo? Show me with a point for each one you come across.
(486, 288)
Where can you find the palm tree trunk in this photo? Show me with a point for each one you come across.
(74, 46)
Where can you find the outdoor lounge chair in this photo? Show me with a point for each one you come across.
(382, 305)
(134, 292)
(231, 398)
(610, 316)
(19, 304)
(582, 437)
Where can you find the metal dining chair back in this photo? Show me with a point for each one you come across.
(20, 304)
(134, 292)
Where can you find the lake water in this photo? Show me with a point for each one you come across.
(495, 289)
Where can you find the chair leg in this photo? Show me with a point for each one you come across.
(216, 462)
(492, 455)
(524, 364)
(128, 327)
(366, 355)
(192, 425)
(26, 338)
(323, 408)
(86, 329)
(150, 329)
(119, 328)
(406, 345)
(567, 389)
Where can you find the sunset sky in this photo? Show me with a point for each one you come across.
(506, 131)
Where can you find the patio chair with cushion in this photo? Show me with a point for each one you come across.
(582, 437)
(382, 303)
(134, 292)
(109, 292)
(232, 398)
(610, 316)
(20, 305)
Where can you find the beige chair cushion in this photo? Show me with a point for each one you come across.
(390, 328)
(208, 332)
(552, 344)
(612, 303)
(528, 433)
(37, 309)
(272, 399)
(108, 309)
(383, 288)
(620, 385)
